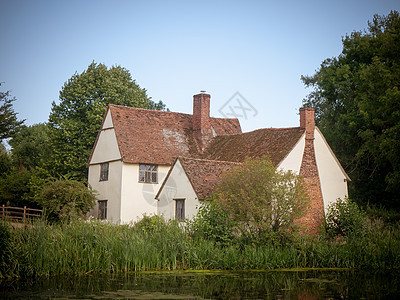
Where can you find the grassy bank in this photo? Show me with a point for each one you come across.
(84, 247)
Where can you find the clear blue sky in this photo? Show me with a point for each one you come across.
(175, 49)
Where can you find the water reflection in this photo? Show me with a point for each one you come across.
(315, 284)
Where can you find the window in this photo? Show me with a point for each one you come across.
(180, 209)
(102, 213)
(148, 173)
(104, 171)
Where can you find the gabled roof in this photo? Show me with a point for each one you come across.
(158, 137)
(271, 142)
(204, 174)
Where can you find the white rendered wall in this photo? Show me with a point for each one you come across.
(138, 199)
(332, 177)
(177, 186)
(292, 162)
(109, 190)
(106, 147)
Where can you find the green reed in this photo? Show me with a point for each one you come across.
(85, 247)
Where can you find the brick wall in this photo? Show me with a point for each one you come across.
(201, 120)
(314, 217)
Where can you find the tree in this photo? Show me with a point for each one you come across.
(9, 123)
(63, 200)
(74, 122)
(30, 145)
(357, 102)
(263, 201)
(14, 185)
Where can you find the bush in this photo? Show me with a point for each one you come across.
(211, 223)
(345, 218)
(263, 201)
(64, 200)
(150, 224)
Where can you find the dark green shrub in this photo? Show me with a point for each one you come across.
(64, 200)
(345, 218)
(150, 224)
(5, 251)
(212, 223)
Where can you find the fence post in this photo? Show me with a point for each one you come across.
(24, 214)
(3, 214)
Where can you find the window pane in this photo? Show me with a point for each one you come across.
(148, 173)
(104, 171)
(180, 209)
(154, 177)
(102, 214)
(147, 177)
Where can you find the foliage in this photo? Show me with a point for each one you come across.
(75, 121)
(357, 101)
(388, 216)
(30, 145)
(14, 186)
(263, 200)
(64, 200)
(5, 160)
(9, 123)
(82, 247)
(344, 218)
(149, 224)
(5, 245)
(212, 223)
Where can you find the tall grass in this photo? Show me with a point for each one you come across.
(85, 247)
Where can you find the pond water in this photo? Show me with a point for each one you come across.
(291, 284)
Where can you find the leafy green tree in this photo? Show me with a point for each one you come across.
(75, 121)
(9, 124)
(263, 201)
(357, 101)
(30, 145)
(14, 186)
(5, 161)
(64, 200)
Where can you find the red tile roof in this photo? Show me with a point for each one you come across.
(158, 137)
(275, 143)
(204, 174)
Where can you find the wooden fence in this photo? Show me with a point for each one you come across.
(19, 214)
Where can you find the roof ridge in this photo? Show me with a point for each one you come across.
(147, 109)
(210, 160)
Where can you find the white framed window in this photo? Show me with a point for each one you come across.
(102, 213)
(104, 171)
(180, 209)
(148, 173)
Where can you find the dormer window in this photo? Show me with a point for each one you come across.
(148, 173)
(104, 171)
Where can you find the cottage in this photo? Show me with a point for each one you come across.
(157, 162)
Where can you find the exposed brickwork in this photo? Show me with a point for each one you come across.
(313, 220)
(202, 131)
(307, 121)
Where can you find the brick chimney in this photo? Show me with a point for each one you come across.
(307, 121)
(314, 217)
(201, 120)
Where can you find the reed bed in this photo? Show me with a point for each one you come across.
(82, 247)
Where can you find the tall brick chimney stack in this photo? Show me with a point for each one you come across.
(314, 217)
(307, 121)
(201, 120)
